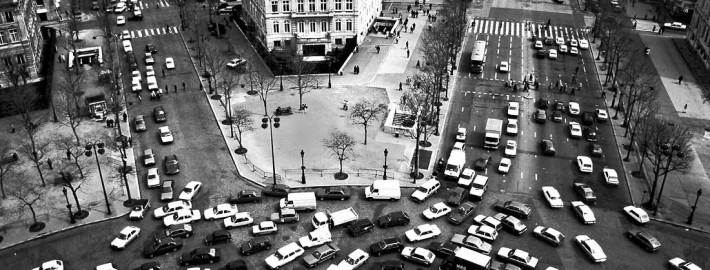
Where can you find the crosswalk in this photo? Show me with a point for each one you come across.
(154, 32)
(525, 29)
(152, 4)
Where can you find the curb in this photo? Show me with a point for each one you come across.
(679, 225)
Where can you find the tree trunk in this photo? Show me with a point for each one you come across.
(631, 144)
(656, 173)
(76, 198)
(41, 176)
(73, 129)
(34, 215)
(239, 138)
(76, 162)
(2, 187)
(340, 160)
(365, 125)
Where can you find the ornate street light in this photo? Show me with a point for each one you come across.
(71, 215)
(97, 152)
(271, 121)
(695, 206)
(384, 176)
(303, 169)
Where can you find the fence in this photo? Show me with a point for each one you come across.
(263, 174)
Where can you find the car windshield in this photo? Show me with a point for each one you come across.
(280, 256)
(417, 231)
(434, 209)
(189, 190)
(122, 236)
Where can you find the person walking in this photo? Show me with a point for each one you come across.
(49, 163)
(152, 95)
(140, 98)
(125, 117)
(406, 45)
(12, 128)
(680, 79)
(174, 87)
(400, 86)
(68, 154)
(183, 86)
(407, 53)
(163, 73)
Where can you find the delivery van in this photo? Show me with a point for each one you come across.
(383, 190)
(299, 201)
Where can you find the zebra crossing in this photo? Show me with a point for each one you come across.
(525, 29)
(154, 32)
(152, 4)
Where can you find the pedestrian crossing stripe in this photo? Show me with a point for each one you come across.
(513, 28)
(154, 32)
(161, 3)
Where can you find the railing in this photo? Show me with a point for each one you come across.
(263, 174)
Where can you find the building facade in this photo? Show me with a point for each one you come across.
(21, 41)
(313, 28)
(699, 31)
(680, 8)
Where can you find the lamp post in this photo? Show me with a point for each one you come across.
(281, 72)
(384, 176)
(692, 213)
(303, 169)
(71, 215)
(665, 147)
(273, 121)
(100, 151)
(329, 62)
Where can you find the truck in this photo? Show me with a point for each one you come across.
(455, 164)
(493, 131)
(334, 219)
(315, 238)
(466, 259)
(383, 190)
(299, 201)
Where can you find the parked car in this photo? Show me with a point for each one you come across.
(255, 245)
(595, 150)
(511, 148)
(512, 127)
(585, 193)
(583, 212)
(418, 255)
(149, 60)
(333, 193)
(148, 157)
(166, 190)
(461, 213)
(681, 264)
(148, 266)
(172, 164)
(397, 218)
(584, 164)
(360, 227)
(484, 232)
(548, 147)
(472, 242)
(159, 114)
(591, 248)
(442, 250)
(200, 256)
(170, 208)
(590, 134)
(169, 63)
(245, 196)
(540, 116)
(139, 208)
(236, 63)
(549, 235)
(644, 239)
(285, 215)
(165, 135)
(264, 228)
(125, 237)
(488, 221)
(139, 123)
(610, 176)
(278, 190)
(601, 115)
(587, 118)
(235, 265)
(422, 232)
(513, 109)
(218, 237)
(552, 196)
(511, 223)
(518, 257)
(573, 108)
(153, 178)
(389, 265)
(182, 217)
(543, 103)
(320, 255)
(575, 130)
(386, 246)
(238, 220)
(150, 48)
(161, 246)
(482, 162)
(181, 231)
(285, 254)
(436, 211)
(220, 211)
(457, 196)
(354, 260)
(514, 208)
(637, 214)
(504, 165)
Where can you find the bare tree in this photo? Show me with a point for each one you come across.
(364, 112)
(341, 143)
(5, 151)
(214, 63)
(69, 93)
(263, 85)
(242, 120)
(69, 180)
(642, 112)
(73, 23)
(75, 151)
(418, 102)
(35, 151)
(640, 81)
(229, 83)
(301, 70)
(29, 197)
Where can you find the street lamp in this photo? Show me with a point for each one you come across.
(71, 215)
(273, 121)
(666, 147)
(329, 62)
(303, 169)
(384, 176)
(281, 71)
(692, 213)
(100, 151)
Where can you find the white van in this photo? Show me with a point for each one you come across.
(479, 186)
(299, 201)
(152, 83)
(425, 190)
(383, 190)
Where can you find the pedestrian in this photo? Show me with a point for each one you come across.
(406, 45)
(160, 93)
(163, 73)
(157, 5)
(572, 91)
(406, 21)
(140, 98)
(603, 94)
(183, 86)
(378, 48)
(49, 163)
(68, 154)
(174, 87)
(152, 95)
(548, 21)
(202, 88)
(680, 79)
(125, 117)
(409, 8)
(417, 63)
(166, 88)
(414, 25)
(400, 86)
(407, 53)
(12, 128)
(396, 40)
(428, 17)
(685, 107)
(411, 29)
(354, 69)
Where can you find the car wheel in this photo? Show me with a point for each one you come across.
(342, 198)
(211, 261)
(370, 199)
(247, 253)
(175, 249)
(151, 255)
(188, 235)
(391, 199)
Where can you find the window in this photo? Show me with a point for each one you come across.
(2, 37)
(338, 41)
(13, 35)
(287, 26)
(274, 6)
(287, 43)
(311, 5)
(338, 4)
(9, 17)
(301, 7)
(277, 43)
(338, 26)
(349, 25)
(323, 5)
(20, 59)
(7, 61)
(324, 26)
(301, 27)
(313, 27)
(348, 4)
(286, 6)
(277, 27)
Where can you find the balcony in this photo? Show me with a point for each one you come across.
(312, 38)
(312, 14)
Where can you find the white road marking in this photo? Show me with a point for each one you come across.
(535, 177)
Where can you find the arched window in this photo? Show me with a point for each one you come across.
(277, 27)
(324, 26)
(287, 26)
(349, 25)
(338, 26)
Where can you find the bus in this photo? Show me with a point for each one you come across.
(478, 56)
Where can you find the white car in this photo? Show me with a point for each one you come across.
(484, 232)
(127, 47)
(459, 146)
(191, 189)
(680, 264)
(675, 25)
(511, 148)
(120, 20)
(573, 51)
(583, 44)
(169, 63)
(149, 60)
(418, 255)
(149, 71)
(573, 108)
(436, 211)
(517, 257)
(563, 48)
(264, 228)
(573, 43)
(583, 212)
(504, 165)
(153, 178)
(165, 135)
(552, 196)
(466, 177)
(171, 208)
(139, 209)
(354, 260)
(538, 44)
(422, 232)
(126, 34)
(284, 255)
(183, 216)
(136, 86)
(106, 266)
(236, 62)
(220, 211)
(136, 76)
(504, 67)
(591, 248)
(610, 176)
(552, 54)
(585, 164)
(461, 135)
(120, 7)
(575, 130)
(513, 109)
(488, 221)
(317, 237)
(559, 41)
(637, 214)
(125, 237)
(238, 220)
(512, 127)
(51, 265)
(602, 115)
(148, 157)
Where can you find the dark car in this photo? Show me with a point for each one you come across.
(587, 118)
(514, 208)
(235, 265)
(548, 148)
(175, 231)
(149, 266)
(392, 219)
(150, 48)
(549, 235)
(161, 246)
(95, 5)
(386, 246)
(320, 255)
(643, 239)
(559, 106)
(278, 190)
(172, 164)
(595, 150)
(549, 41)
(543, 104)
(360, 227)
(590, 134)
(457, 196)
(159, 114)
(483, 162)
(442, 250)
(389, 265)
(585, 193)
(461, 213)
(504, 266)
(166, 190)
(541, 53)
(245, 196)
(200, 256)
(512, 224)
(218, 237)
(333, 193)
(540, 116)
(255, 245)
(557, 116)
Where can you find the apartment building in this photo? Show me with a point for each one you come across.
(20, 40)
(699, 31)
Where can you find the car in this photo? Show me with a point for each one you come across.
(472, 242)
(218, 237)
(538, 44)
(573, 108)
(573, 51)
(552, 54)
(285, 215)
(354, 260)
(255, 245)
(610, 176)
(125, 237)
(549, 235)
(549, 41)
(484, 232)
(320, 255)
(583, 44)
(165, 135)
(504, 67)
(511, 223)
(461, 135)
(127, 47)
(422, 232)
(386, 246)
(559, 40)
(583, 212)
(150, 48)
(149, 71)
(590, 134)
(182, 217)
(286, 254)
(563, 48)
(161, 246)
(540, 116)
(504, 165)
(602, 115)
(360, 227)
(591, 248)
(548, 147)
(488, 221)
(418, 255)
(200, 256)
(584, 163)
(514, 208)
(541, 53)
(426, 190)
(153, 178)
(148, 266)
(436, 211)
(552, 196)
(126, 35)
(169, 63)
(557, 116)
(148, 157)
(278, 190)
(167, 190)
(587, 118)
(136, 76)
(137, 14)
(181, 231)
(392, 219)
(149, 60)
(120, 7)
(644, 239)
(220, 211)
(675, 26)
(236, 62)
(543, 103)
(139, 208)
(238, 220)
(595, 150)
(333, 193)
(511, 148)
(388, 265)
(558, 106)
(139, 123)
(573, 43)
(136, 86)
(512, 127)
(482, 162)
(443, 250)
(120, 20)
(190, 190)
(233, 265)
(681, 264)
(172, 164)
(637, 214)
(575, 130)
(159, 114)
(513, 109)
(585, 193)
(461, 213)
(518, 257)
(95, 5)
(170, 208)
(466, 177)
(457, 196)
(245, 196)
(264, 228)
